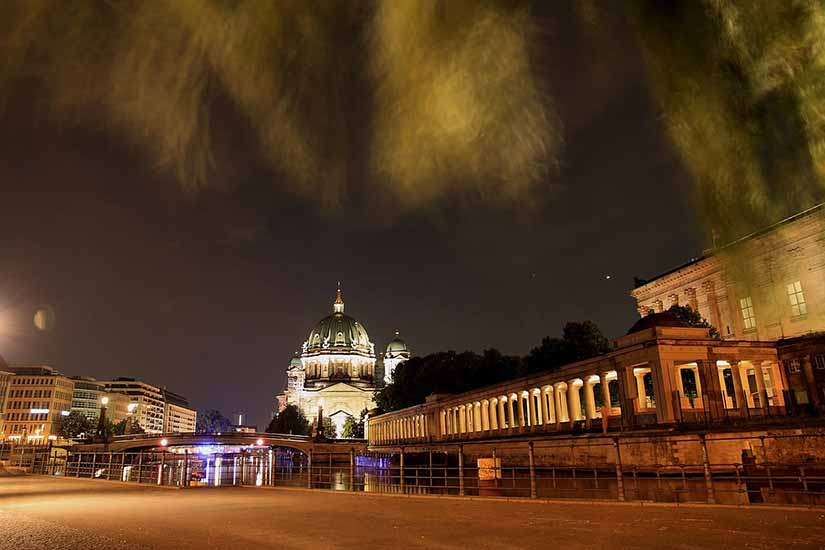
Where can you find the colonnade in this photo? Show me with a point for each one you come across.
(557, 404)
(767, 381)
(549, 405)
(406, 428)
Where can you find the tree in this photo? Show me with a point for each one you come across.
(354, 429)
(212, 421)
(579, 341)
(128, 426)
(693, 318)
(451, 372)
(329, 428)
(75, 425)
(445, 372)
(291, 420)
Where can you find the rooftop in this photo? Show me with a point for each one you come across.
(638, 282)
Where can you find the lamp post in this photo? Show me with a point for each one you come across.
(131, 407)
(101, 421)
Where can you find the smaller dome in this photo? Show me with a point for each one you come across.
(397, 346)
(296, 363)
(662, 319)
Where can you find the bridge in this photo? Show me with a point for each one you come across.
(146, 442)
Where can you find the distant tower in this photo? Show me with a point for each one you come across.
(397, 352)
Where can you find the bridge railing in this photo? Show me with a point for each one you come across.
(178, 435)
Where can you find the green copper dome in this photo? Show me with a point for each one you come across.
(397, 346)
(338, 334)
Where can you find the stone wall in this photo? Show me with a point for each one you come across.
(779, 446)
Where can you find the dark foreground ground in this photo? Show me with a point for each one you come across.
(45, 513)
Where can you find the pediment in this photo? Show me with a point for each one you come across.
(343, 387)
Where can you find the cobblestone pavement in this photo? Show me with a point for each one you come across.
(37, 512)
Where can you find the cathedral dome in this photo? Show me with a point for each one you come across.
(338, 334)
(397, 346)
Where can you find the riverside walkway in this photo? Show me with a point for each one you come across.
(42, 512)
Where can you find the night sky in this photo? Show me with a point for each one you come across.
(210, 295)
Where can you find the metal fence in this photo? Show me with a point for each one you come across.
(605, 468)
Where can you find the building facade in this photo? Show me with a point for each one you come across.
(767, 286)
(36, 399)
(5, 380)
(87, 399)
(335, 371)
(146, 400)
(178, 417)
(660, 374)
(395, 354)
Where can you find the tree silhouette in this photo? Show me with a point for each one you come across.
(212, 421)
(291, 420)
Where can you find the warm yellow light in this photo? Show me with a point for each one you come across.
(164, 442)
(104, 400)
(259, 442)
(131, 407)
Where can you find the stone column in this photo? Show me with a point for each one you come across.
(713, 304)
(574, 407)
(679, 383)
(561, 405)
(627, 393)
(549, 403)
(641, 398)
(810, 381)
(710, 388)
(738, 391)
(605, 387)
(589, 400)
(503, 421)
(723, 389)
(759, 374)
(778, 383)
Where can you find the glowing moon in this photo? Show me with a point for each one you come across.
(44, 319)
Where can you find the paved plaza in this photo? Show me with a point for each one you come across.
(37, 512)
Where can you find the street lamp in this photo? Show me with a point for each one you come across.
(101, 420)
(130, 408)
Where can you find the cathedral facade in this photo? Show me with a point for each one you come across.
(337, 370)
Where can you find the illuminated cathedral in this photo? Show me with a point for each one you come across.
(337, 370)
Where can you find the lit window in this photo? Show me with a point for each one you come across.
(793, 365)
(819, 361)
(746, 305)
(797, 299)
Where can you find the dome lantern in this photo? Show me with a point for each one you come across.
(338, 305)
